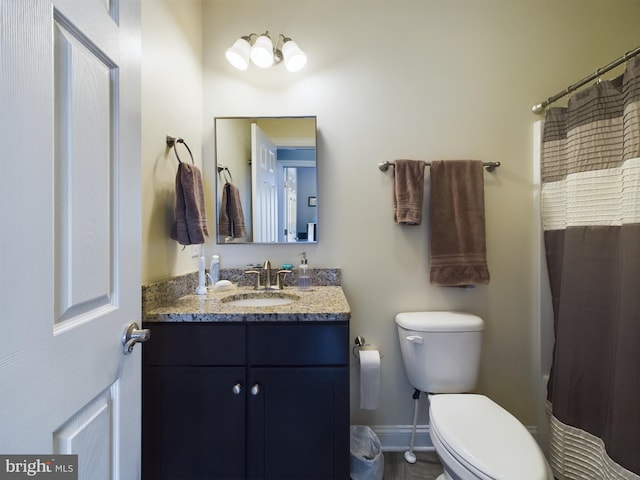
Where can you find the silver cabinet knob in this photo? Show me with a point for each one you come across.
(237, 388)
(133, 334)
(255, 390)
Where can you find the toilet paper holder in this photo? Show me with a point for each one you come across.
(361, 344)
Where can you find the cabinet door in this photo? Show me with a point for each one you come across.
(193, 423)
(298, 423)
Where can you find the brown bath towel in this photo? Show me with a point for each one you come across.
(190, 220)
(231, 223)
(458, 244)
(408, 191)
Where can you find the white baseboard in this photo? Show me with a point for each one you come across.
(396, 438)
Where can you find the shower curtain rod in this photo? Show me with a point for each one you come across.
(539, 107)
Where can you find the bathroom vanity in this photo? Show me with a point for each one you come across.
(237, 392)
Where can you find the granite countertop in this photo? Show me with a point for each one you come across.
(320, 303)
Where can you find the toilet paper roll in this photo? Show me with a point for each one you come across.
(369, 379)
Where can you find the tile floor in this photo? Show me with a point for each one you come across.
(427, 467)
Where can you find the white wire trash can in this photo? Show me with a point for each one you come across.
(367, 460)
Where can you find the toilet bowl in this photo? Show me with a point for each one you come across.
(474, 437)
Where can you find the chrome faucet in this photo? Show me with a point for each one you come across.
(266, 268)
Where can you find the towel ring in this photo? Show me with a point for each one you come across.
(224, 171)
(171, 142)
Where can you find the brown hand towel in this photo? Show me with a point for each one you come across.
(458, 244)
(190, 220)
(231, 223)
(408, 191)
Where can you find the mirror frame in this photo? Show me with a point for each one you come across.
(241, 140)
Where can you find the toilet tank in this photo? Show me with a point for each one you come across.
(440, 350)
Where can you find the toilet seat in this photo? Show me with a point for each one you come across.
(486, 439)
(453, 460)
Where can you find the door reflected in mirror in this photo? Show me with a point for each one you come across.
(267, 183)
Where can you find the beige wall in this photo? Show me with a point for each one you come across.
(420, 79)
(171, 104)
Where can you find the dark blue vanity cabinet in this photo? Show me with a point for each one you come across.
(233, 401)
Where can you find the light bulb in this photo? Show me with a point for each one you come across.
(262, 51)
(238, 53)
(294, 58)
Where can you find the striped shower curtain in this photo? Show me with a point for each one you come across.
(591, 220)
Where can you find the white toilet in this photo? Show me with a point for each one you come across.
(474, 437)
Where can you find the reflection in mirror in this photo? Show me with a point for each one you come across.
(267, 184)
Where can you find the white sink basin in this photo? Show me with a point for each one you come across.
(264, 299)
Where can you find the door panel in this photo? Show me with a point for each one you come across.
(87, 435)
(84, 159)
(264, 188)
(194, 423)
(298, 422)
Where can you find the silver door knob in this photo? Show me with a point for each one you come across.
(133, 334)
(255, 390)
(237, 388)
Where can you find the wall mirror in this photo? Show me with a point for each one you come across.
(267, 184)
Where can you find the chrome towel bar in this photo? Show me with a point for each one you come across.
(490, 166)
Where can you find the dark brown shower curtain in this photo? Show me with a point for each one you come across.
(591, 219)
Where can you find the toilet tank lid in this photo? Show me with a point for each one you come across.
(440, 321)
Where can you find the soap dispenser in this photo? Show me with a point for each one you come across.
(304, 273)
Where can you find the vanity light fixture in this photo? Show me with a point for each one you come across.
(264, 54)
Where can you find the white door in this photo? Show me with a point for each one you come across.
(291, 195)
(264, 187)
(70, 232)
